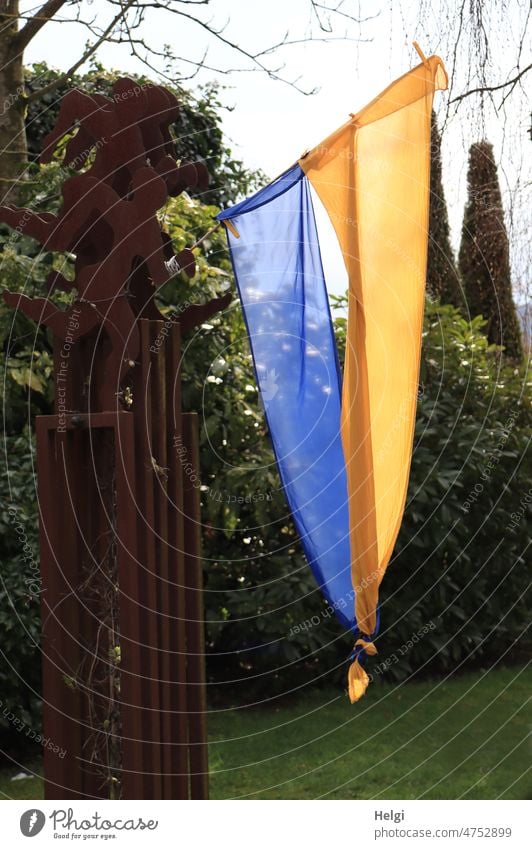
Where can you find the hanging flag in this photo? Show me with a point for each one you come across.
(344, 451)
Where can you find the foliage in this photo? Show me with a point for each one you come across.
(484, 258)
(19, 584)
(459, 567)
(25, 391)
(26, 354)
(460, 559)
(458, 563)
(197, 132)
(457, 572)
(442, 276)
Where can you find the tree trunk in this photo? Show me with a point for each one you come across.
(13, 150)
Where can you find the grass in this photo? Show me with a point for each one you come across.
(465, 737)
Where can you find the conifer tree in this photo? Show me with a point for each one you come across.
(442, 275)
(484, 258)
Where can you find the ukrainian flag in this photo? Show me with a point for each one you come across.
(343, 445)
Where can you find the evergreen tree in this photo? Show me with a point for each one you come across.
(484, 259)
(442, 276)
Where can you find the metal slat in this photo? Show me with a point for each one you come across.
(196, 697)
(178, 750)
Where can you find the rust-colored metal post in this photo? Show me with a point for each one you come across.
(177, 762)
(196, 698)
(123, 648)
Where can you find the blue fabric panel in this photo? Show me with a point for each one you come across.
(279, 275)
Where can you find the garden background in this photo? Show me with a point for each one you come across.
(451, 680)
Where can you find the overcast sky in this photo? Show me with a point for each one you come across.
(271, 124)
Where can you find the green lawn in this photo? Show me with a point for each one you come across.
(463, 738)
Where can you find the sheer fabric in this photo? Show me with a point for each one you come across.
(344, 453)
(372, 176)
(277, 264)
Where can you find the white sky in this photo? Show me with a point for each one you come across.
(271, 124)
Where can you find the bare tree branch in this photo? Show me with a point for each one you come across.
(253, 57)
(32, 27)
(492, 88)
(35, 95)
(130, 16)
(337, 10)
(289, 42)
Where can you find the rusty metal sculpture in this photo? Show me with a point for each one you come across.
(122, 631)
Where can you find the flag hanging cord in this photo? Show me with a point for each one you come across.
(205, 236)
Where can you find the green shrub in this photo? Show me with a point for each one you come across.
(19, 585)
(455, 588)
(460, 559)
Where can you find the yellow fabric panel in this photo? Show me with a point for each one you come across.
(372, 176)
